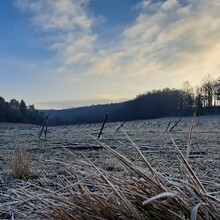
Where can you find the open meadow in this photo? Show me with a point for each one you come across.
(141, 171)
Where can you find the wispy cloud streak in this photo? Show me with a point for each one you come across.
(67, 26)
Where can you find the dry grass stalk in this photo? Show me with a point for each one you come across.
(87, 192)
(21, 163)
(189, 143)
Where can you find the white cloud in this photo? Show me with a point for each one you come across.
(170, 4)
(166, 39)
(58, 14)
(74, 48)
(67, 25)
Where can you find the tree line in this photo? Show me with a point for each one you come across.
(19, 112)
(204, 99)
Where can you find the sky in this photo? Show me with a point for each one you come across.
(69, 53)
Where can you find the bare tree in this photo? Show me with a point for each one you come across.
(217, 92)
(188, 101)
(198, 99)
(208, 90)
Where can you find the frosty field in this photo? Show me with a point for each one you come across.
(67, 145)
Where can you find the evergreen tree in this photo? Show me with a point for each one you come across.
(23, 107)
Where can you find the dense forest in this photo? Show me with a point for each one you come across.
(18, 112)
(204, 99)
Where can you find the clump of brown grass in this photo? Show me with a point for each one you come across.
(88, 192)
(21, 163)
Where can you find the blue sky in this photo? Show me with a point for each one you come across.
(68, 53)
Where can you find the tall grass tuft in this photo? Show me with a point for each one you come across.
(21, 163)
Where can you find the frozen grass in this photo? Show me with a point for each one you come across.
(88, 192)
(21, 163)
(124, 182)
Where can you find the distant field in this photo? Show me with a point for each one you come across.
(48, 157)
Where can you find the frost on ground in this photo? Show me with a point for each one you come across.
(70, 144)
